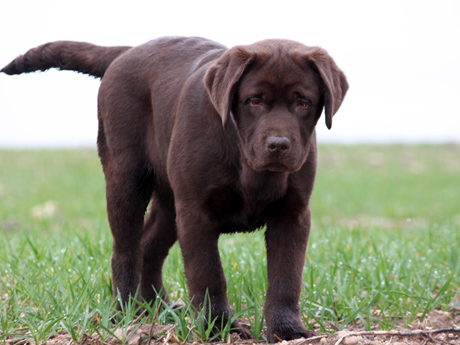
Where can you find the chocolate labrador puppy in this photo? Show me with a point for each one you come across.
(216, 140)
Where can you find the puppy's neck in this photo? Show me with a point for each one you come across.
(262, 186)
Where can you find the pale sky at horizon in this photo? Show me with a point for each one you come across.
(402, 60)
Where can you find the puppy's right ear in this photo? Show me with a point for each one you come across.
(221, 78)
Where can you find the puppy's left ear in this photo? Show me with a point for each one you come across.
(334, 80)
(221, 78)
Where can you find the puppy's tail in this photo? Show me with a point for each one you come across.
(66, 55)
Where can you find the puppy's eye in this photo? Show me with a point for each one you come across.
(255, 102)
(302, 103)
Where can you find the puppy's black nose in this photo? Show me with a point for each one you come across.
(278, 144)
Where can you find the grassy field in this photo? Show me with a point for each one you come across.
(384, 246)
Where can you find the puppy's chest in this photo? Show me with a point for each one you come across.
(236, 212)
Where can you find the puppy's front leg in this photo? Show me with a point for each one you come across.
(286, 239)
(198, 238)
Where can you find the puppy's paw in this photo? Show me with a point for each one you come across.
(287, 332)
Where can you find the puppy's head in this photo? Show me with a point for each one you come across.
(274, 92)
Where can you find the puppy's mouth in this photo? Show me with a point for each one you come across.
(276, 167)
(272, 163)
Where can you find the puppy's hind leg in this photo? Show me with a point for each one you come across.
(159, 235)
(129, 186)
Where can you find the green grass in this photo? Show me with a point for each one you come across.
(384, 245)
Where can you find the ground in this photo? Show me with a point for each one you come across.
(430, 331)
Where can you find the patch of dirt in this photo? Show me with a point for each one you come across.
(438, 327)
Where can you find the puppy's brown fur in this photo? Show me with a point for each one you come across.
(216, 141)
